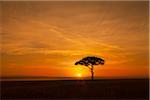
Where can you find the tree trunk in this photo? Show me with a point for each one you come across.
(92, 72)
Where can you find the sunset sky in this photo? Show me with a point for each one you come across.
(47, 38)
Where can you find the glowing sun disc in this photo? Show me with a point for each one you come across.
(79, 75)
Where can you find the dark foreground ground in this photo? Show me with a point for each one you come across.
(97, 89)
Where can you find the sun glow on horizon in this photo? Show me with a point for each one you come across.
(79, 75)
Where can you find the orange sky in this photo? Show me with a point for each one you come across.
(47, 38)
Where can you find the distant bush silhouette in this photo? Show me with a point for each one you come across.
(90, 62)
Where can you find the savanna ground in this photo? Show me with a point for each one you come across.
(137, 89)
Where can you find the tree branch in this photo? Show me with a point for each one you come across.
(89, 67)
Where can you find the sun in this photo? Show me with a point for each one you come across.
(79, 75)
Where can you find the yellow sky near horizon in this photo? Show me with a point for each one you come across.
(47, 38)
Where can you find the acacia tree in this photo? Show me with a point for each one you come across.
(90, 62)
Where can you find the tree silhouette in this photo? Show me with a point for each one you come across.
(90, 62)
